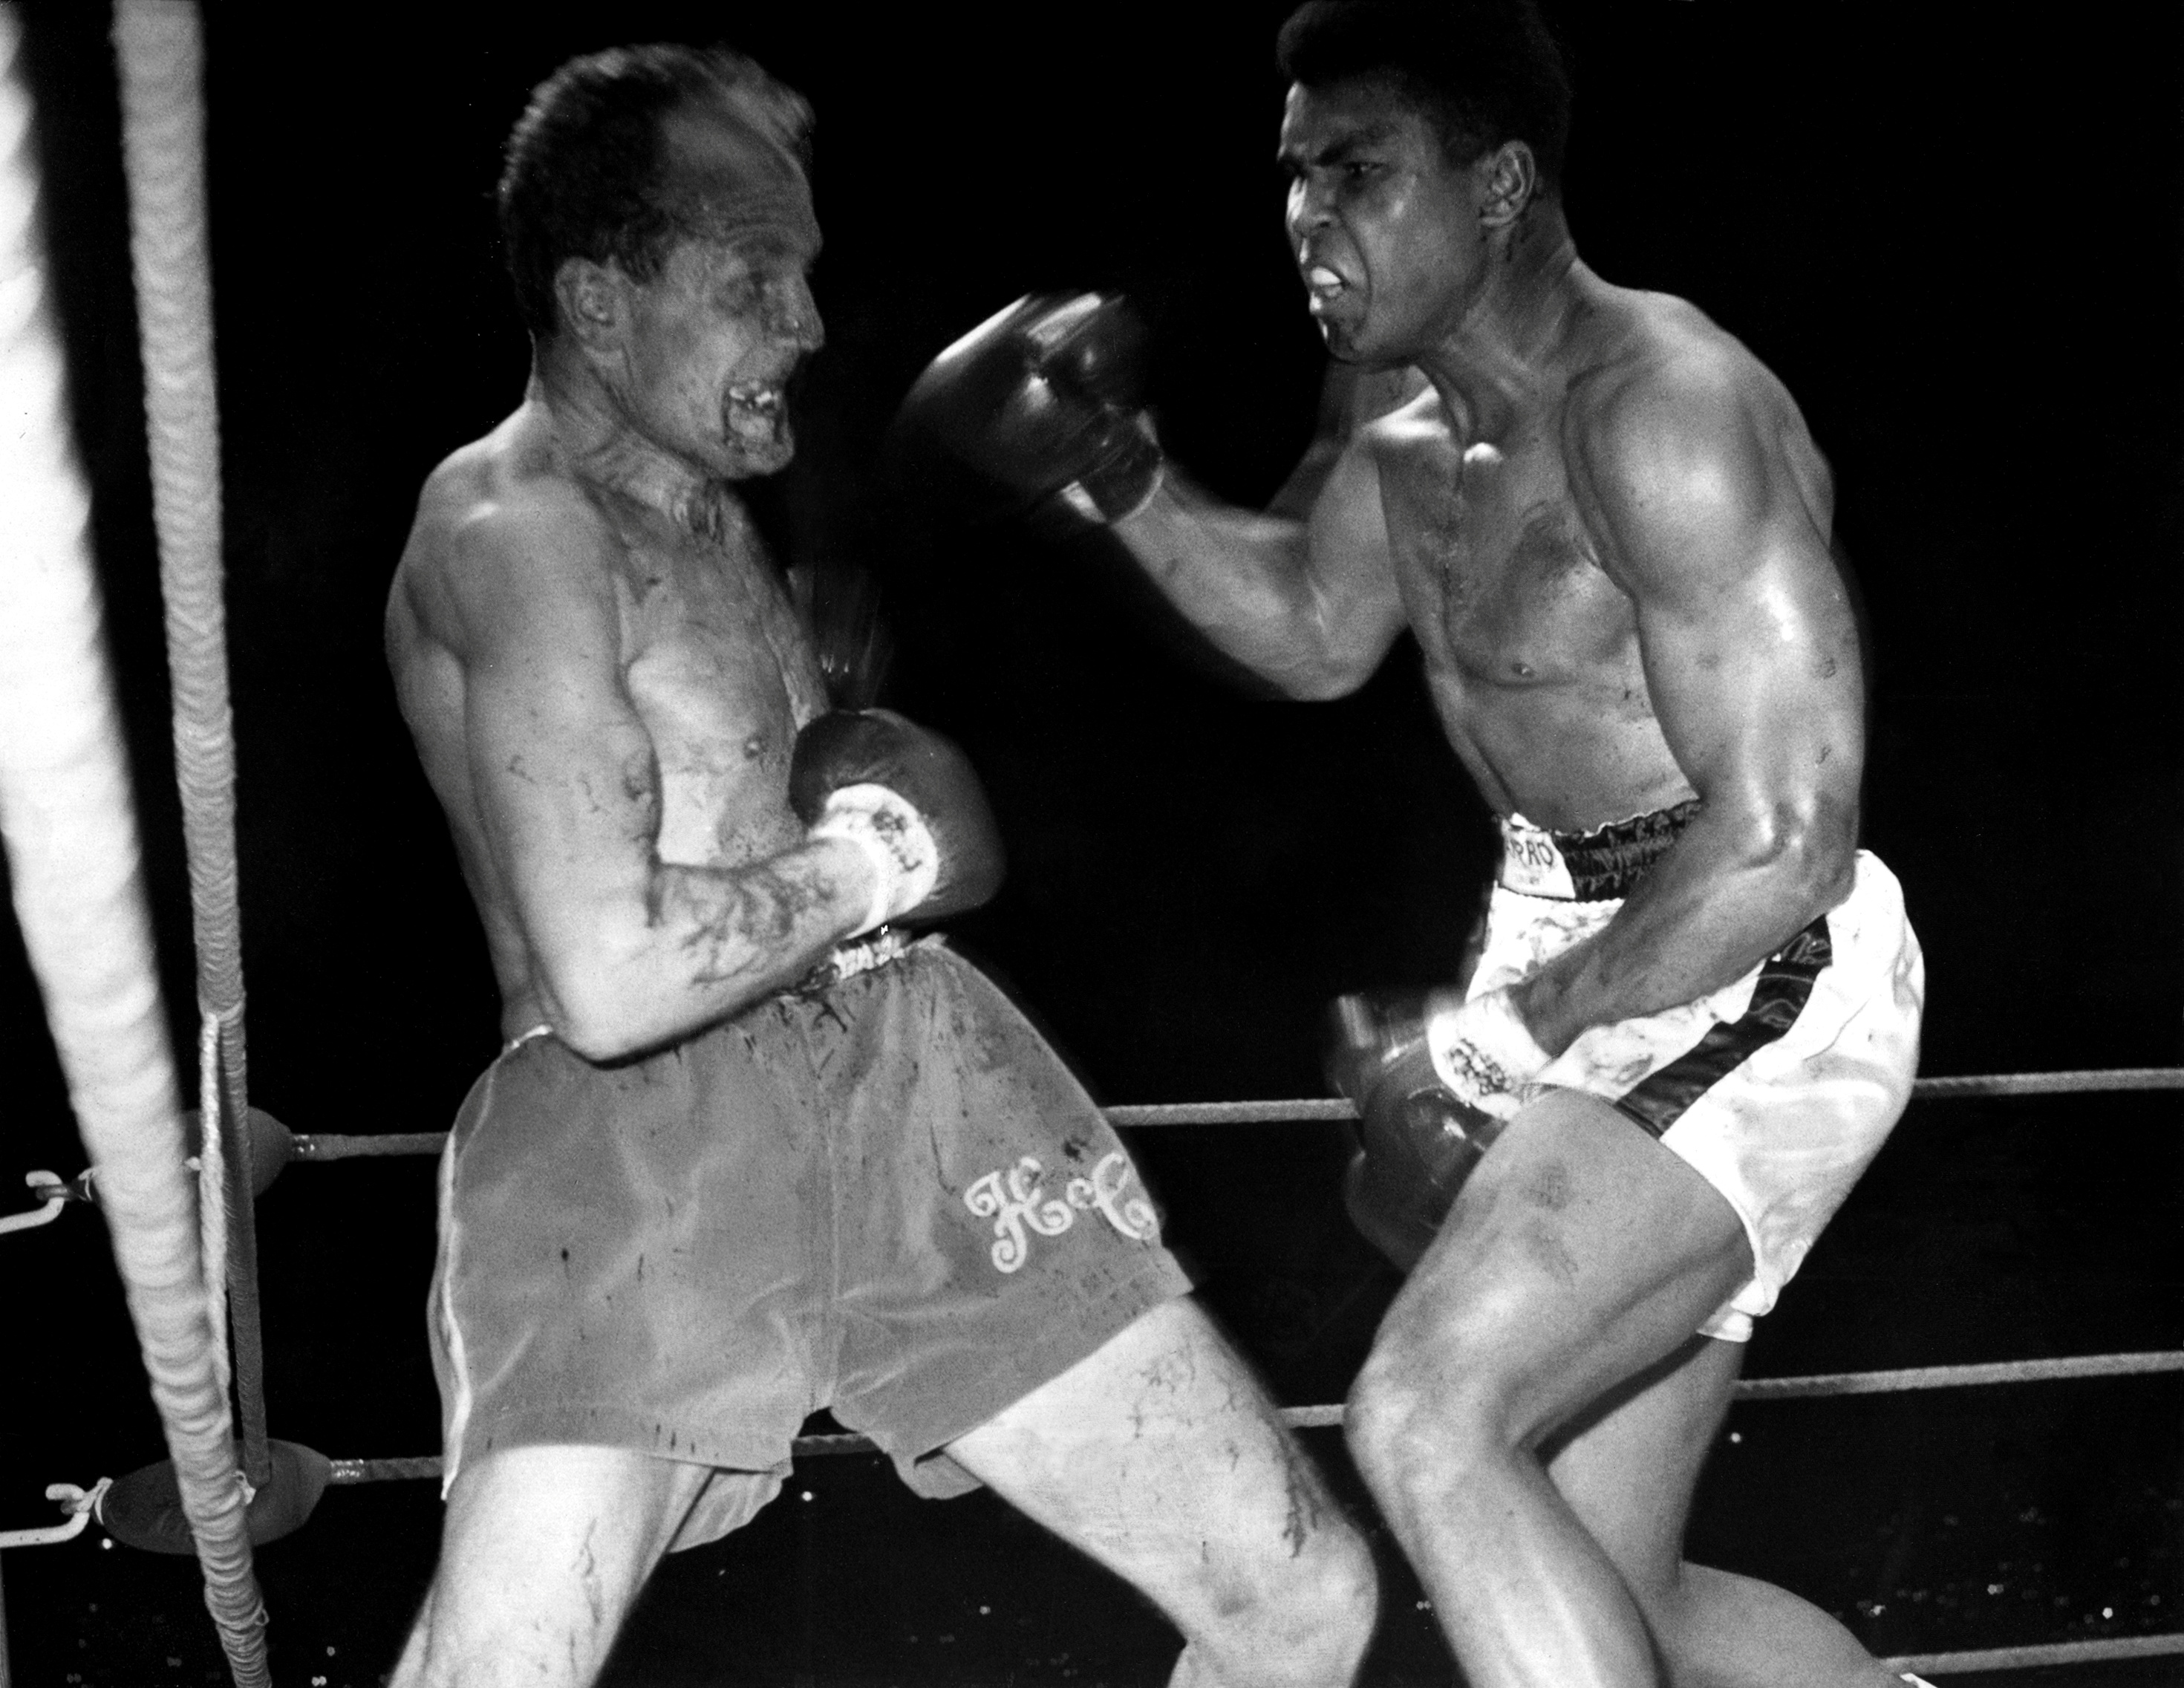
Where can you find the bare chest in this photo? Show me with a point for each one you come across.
(721, 673)
(1502, 579)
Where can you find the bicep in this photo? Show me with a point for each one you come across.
(1746, 628)
(1350, 565)
(1755, 679)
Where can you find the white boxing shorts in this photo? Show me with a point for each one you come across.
(1778, 1089)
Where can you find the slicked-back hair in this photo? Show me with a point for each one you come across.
(1481, 71)
(584, 168)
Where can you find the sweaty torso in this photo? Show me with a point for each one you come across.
(1531, 647)
(709, 657)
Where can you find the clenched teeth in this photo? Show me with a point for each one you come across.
(756, 396)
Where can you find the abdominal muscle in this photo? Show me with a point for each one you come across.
(1568, 756)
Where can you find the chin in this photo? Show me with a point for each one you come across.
(1346, 347)
(741, 462)
(1354, 342)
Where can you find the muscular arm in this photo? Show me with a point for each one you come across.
(1304, 595)
(624, 950)
(1715, 508)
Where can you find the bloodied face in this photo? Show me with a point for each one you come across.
(707, 345)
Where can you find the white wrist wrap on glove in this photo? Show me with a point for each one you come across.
(906, 860)
(1485, 1053)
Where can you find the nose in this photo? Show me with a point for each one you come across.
(794, 314)
(1310, 209)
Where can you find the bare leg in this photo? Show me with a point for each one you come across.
(1580, 1254)
(1159, 1457)
(1629, 1475)
(543, 1551)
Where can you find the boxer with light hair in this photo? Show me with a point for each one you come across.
(1689, 1017)
(752, 1149)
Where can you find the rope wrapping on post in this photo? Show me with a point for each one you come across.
(161, 54)
(69, 821)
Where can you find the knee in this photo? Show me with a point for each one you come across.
(1307, 1623)
(1422, 1417)
(1342, 1589)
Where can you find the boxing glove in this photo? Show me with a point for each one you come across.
(1044, 397)
(910, 799)
(1433, 1081)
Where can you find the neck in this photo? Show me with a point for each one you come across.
(1502, 349)
(600, 445)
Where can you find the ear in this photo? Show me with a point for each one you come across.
(590, 300)
(1509, 182)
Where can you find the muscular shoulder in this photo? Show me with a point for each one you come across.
(1687, 453)
(501, 539)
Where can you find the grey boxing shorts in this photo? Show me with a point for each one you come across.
(886, 1198)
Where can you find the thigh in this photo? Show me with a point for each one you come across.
(543, 1551)
(1628, 1466)
(1581, 1253)
(1160, 1456)
(625, 1260)
(991, 1231)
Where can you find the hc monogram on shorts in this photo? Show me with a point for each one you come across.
(1012, 1199)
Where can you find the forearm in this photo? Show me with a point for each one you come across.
(708, 942)
(1724, 899)
(1245, 581)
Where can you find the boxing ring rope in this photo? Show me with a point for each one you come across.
(1328, 1416)
(160, 54)
(67, 820)
(1320, 1110)
(342, 1146)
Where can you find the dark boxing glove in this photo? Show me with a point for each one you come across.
(1433, 1081)
(1045, 397)
(910, 799)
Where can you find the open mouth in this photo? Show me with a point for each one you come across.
(1323, 286)
(755, 410)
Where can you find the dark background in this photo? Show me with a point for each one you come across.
(1954, 234)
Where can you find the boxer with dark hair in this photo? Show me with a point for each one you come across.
(752, 1149)
(1691, 1017)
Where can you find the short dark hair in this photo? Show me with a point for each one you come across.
(1481, 71)
(585, 163)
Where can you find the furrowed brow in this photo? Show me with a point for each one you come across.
(1340, 149)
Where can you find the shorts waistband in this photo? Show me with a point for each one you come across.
(1599, 866)
(875, 949)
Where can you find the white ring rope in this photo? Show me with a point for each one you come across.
(159, 47)
(69, 822)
